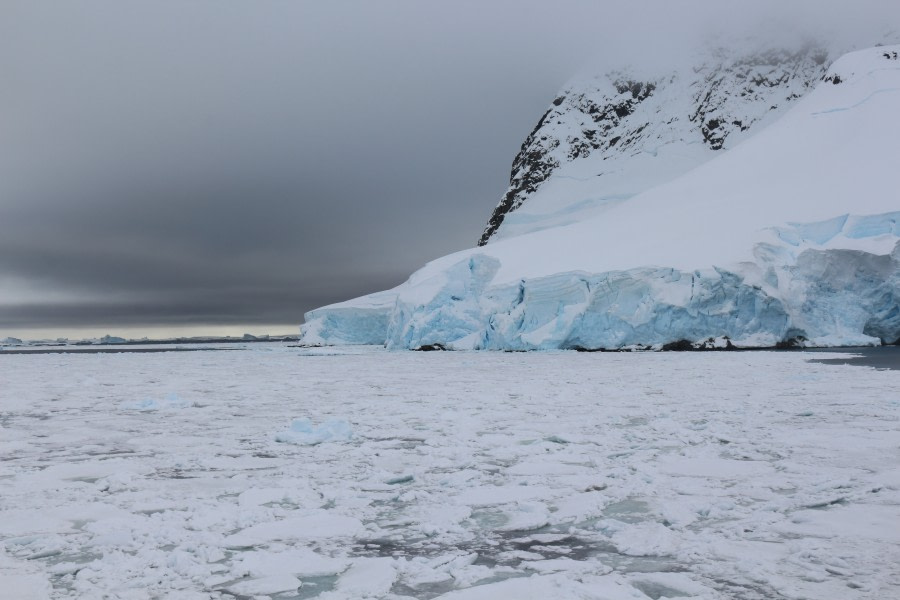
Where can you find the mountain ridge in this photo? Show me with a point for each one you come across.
(603, 121)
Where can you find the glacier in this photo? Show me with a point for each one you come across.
(789, 237)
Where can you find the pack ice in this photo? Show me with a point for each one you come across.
(790, 236)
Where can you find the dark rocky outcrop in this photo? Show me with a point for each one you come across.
(726, 94)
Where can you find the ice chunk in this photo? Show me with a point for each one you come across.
(170, 402)
(319, 524)
(304, 433)
(273, 584)
(301, 562)
(641, 539)
(525, 516)
(541, 587)
(367, 578)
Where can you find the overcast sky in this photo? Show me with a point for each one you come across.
(211, 163)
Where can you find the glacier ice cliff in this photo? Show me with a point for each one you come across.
(362, 321)
(802, 294)
(789, 237)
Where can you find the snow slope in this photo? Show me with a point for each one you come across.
(790, 235)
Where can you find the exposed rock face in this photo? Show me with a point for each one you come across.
(603, 122)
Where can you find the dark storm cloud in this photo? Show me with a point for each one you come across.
(219, 162)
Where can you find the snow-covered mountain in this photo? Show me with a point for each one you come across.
(636, 218)
(606, 138)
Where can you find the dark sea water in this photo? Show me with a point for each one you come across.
(883, 357)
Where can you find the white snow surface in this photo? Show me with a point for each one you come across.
(552, 475)
(792, 233)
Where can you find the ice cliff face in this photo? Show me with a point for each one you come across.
(605, 139)
(799, 291)
(792, 236)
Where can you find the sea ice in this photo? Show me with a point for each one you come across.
(695, 475)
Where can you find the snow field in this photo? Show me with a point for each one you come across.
(450, 475)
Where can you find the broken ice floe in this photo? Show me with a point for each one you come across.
(304, 433)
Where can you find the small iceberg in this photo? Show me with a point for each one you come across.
(304, 433)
